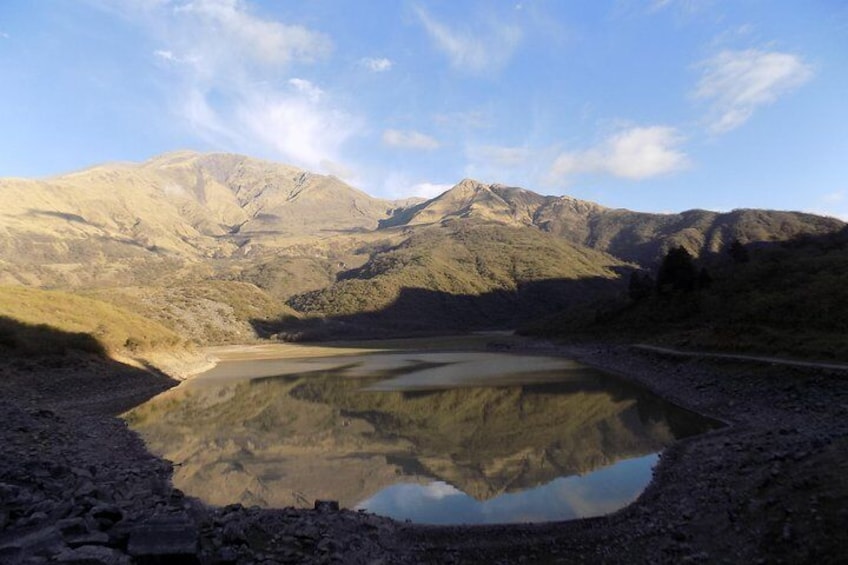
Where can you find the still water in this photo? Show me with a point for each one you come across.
(431, 437)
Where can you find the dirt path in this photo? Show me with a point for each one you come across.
(756, 358)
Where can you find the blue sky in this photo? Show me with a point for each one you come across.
(654, 105)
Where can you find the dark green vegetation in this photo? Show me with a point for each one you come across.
(225, 249)
(787, 298)
(460, 275)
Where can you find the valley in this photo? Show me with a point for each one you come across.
(222, 248)
(119, 280)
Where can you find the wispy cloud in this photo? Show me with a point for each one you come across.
(507, 164)
(170, 58)
(231, 31)
(409, 140)
(688, 9)
(737, 83)
(472, 119)
(833, 204)
(838, 196)
(485, 49)
(636, 153)
(227, 71)
(428, 189)
(686, 5)
(500, 156)
(376, 64)
(399, 184)
(297, 125)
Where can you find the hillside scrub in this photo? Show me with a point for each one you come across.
(36, 321)
(458, 258)
(211, 312)
(786, 298)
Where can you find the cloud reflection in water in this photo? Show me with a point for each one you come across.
(593, 494)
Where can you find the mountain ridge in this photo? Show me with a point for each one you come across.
(290, 236)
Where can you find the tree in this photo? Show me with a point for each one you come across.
(641, 285)
(738, 252)
(705, 280)
(677, 271)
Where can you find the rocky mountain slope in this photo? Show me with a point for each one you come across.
(206, 223)
(171, 210)
(631, 236)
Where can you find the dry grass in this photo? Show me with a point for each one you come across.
(115, 329)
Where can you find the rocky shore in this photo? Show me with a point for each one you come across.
(78, 487)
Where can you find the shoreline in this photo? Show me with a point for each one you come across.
(769, 486)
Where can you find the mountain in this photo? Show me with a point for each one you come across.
(190, 238)
(631, 236)
(172, 210)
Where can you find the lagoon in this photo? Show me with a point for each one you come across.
(430, 436)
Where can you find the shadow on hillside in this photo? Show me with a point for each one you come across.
(18, 338)
(71, 370)
(419, 311)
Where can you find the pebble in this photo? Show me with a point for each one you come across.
(66, 499)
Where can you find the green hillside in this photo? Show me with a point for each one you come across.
(464, 274)
(224, 248)
(40, 321)
(204, 312)
(789, 298)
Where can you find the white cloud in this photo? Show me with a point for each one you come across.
(166, 55)
(409, 140)
(479, 50)
(231, 31)
(440, 489)
(688, 7)
(4, 35)
(837, 196)
(636, 153)
(399, 184)
(737, 83)
(305, 87)
(472, 119)
(376, 65)
(833, 204)
(500, 156)
(227, 78)
(428, 189)
(298, 125)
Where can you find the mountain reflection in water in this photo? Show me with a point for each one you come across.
(430, 437)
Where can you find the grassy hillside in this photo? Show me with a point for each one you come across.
(206, 312)
(221, 248)
(463, 274)
(789, 298)
(28, 315)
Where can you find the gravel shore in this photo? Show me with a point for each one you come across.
(76, 486)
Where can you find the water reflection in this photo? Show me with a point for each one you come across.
(430, 437)
(565, 498)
